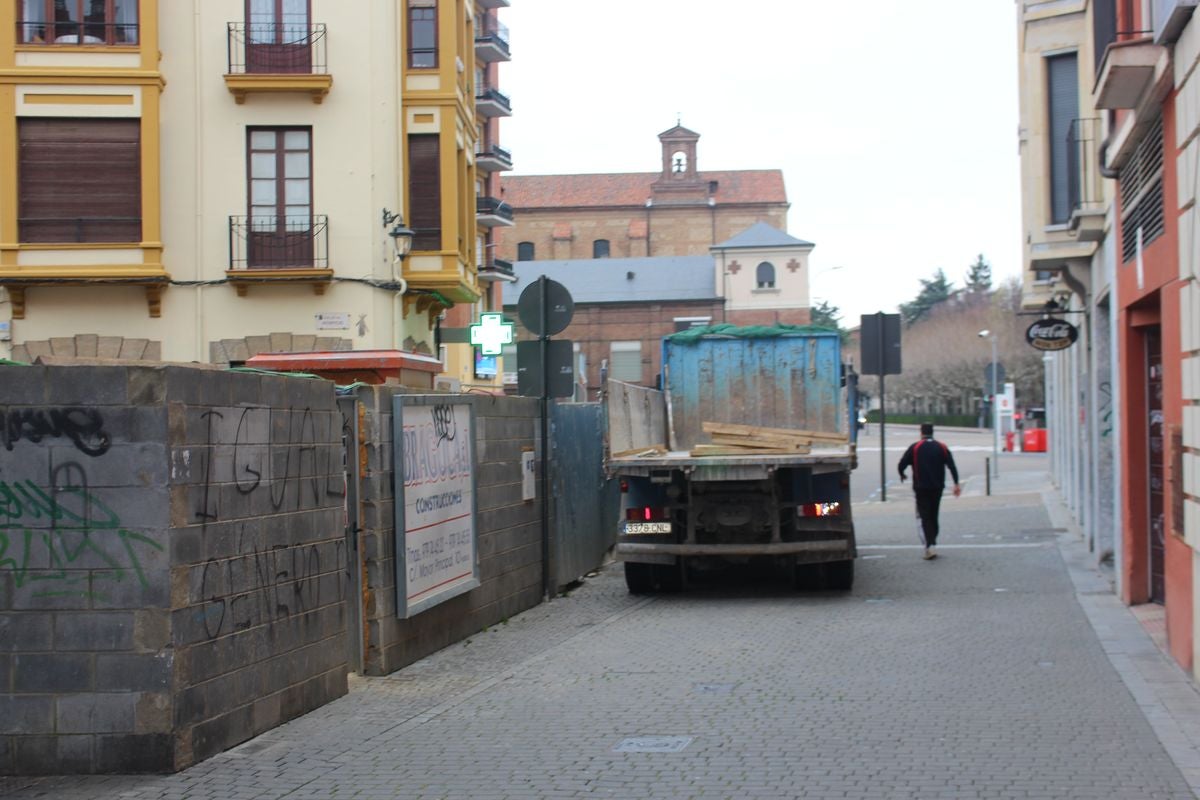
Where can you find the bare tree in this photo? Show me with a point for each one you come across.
(945, 360)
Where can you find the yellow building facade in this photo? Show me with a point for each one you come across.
(207, 180)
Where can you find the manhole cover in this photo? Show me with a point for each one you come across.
(653, 744)
(715, 688)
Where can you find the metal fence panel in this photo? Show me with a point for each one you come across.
(586, 504)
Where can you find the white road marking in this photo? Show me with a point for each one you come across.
(940, 546)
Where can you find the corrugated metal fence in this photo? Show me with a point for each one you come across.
(586, 505)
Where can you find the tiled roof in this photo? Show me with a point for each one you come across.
(634, 188)
(621, 280)
(761, 234)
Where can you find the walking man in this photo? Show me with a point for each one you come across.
(929, 460)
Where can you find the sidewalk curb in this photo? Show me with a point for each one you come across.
(1165, 693)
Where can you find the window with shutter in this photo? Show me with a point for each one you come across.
(525, 251)
(79, 180)
(600, 248)
(625, 361)
(425, 190)
(765, 275)
(1062, 75)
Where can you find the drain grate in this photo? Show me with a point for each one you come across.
(653, 744)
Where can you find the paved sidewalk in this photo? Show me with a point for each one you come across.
(1000, 670)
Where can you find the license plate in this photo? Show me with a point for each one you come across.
(647, 527)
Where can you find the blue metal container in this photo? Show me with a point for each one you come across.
(790, 380)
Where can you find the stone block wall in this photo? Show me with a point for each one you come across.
(171, 563)
(509, 531)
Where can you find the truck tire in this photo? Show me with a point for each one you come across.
(808, 577)
(639, 577)
(669, 577)
(839, 575)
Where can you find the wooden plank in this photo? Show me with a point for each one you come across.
(759, 444)
(733, 429)
(721, 450)
(654, 449)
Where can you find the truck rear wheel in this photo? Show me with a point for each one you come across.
(839, 575)
(639, 577)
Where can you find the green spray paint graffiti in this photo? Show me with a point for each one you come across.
(84, 541)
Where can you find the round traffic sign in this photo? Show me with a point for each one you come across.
(559, 307)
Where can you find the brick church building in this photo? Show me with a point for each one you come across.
(648, 254)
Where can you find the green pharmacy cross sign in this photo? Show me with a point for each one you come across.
(491, 333)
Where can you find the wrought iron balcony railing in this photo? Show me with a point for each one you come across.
(492, 102)
(277, 48)
(273, 242)
(494, 158)
(493, 29)
(496, 269)
(491, 41)
(492, 207)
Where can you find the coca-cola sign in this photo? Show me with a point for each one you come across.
(1051, 334)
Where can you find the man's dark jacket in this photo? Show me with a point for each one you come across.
(929, 460)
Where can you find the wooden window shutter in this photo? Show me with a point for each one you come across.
(80, 180)
(425, 191)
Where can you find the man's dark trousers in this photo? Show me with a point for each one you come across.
(928, 501)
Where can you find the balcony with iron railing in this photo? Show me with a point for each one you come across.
(491, 102)
(494, 159)
(491, 41)
(269, 57)
(1129, 63)
(493, 213)
(271, 249)
(497, 269)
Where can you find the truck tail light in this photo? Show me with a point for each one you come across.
(646, 514)
(820, 510)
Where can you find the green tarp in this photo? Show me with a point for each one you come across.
(692, 335)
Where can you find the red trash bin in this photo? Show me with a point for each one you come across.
(1034, 440)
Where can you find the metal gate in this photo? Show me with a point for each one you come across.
(585, 504)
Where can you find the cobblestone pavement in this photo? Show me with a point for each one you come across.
(976, 675)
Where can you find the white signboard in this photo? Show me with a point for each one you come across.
(333, 321)
(528, 476)
(436, 553)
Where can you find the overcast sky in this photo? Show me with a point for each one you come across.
(895, 124)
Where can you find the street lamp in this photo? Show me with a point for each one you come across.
(987, 334)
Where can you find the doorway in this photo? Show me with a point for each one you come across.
(1156, 448)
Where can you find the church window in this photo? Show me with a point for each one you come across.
(765, 275)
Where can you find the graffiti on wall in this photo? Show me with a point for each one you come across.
(84, 427)
(288, 469)
(63, 540)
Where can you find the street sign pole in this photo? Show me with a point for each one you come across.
(882, 417)
(544, 348)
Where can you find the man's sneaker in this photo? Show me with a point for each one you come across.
(932, 551)
(928, 553)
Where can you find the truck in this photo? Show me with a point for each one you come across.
(741, 454)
